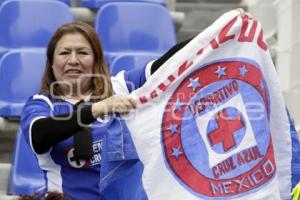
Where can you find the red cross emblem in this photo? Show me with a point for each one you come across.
(227, 126)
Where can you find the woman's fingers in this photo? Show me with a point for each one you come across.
(132, 102)
(122, 104)
(114, 104)
(247, 14)
(243, 13)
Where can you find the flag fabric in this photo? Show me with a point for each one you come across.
(211, 124)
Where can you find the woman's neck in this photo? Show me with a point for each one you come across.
(76, 94)
(80, 96)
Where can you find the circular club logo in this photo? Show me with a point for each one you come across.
(215, 131)
(75, 162)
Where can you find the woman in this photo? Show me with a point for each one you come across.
(65, 123)
(68, 115)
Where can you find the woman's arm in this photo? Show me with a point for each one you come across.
(48, 131)
(135, 78)
(161, 60)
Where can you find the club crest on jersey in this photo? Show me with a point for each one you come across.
(215, 131)
(94, 160)
(73, 161)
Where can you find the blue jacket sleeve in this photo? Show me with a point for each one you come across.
(135, 78)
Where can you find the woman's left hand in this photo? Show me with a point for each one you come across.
(243, 13)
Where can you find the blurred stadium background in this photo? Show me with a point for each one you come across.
(27, 25)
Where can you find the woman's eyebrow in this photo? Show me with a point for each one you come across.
(69, 49)
(83, 48)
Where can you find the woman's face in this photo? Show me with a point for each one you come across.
(73, 63)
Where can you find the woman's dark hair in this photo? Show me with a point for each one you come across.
(101, 86)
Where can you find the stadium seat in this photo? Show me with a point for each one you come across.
(130, 61)
(30, 23)
(99, 3)
(134, 27)
(20, 76)
(26, 177)
(68, 2)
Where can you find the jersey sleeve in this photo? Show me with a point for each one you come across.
(38, 106)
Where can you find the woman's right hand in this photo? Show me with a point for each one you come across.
(115, 104)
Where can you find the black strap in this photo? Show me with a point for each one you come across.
(83, 140)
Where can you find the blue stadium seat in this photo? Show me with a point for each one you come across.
(68, 2)
(20, 76)
(134, 27)
(130, 61)
(26, 177)
(99, 3)
(30, 23)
